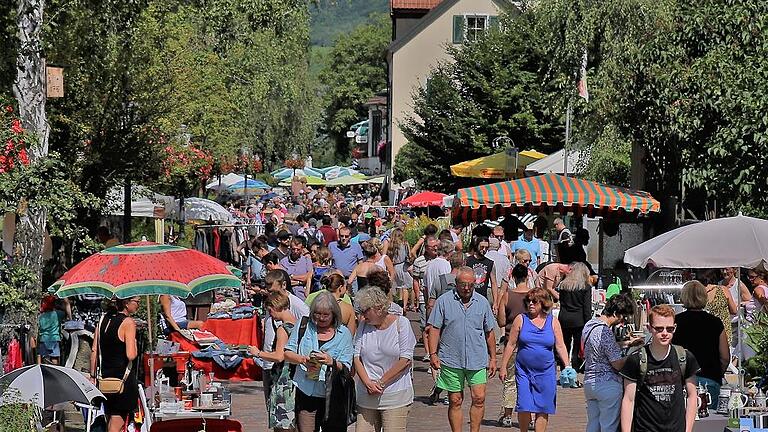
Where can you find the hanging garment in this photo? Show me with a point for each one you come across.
(13, 360)
(216, 242)
(225, 248)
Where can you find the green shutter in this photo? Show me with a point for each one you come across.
(458, 29)
(493, 22)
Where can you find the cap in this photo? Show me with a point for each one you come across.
(529, 225)
(494, 243)
(283, 234)
(368, 216)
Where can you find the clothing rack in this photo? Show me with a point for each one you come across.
(228, 225)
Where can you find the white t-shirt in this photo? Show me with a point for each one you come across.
(435, 268)
(379, 350)
(500, 265)
(298, 309)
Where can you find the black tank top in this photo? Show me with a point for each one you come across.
(114, 360)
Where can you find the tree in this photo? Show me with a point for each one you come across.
(356, 70)
(499, 85)
(682, 81)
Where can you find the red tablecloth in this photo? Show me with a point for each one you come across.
(240, 332)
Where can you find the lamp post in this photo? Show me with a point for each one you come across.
(511, 152)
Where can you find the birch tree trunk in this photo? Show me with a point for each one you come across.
(29, 90)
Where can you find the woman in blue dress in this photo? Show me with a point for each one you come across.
(536, 335)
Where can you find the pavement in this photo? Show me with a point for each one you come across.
(248, 404)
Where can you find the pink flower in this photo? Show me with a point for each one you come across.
(8, 109)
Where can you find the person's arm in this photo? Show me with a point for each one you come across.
(692, 403)
(434, 342)
(291, 354)
(745, 294)
(587, 310)
(724, 351)
(94, 353)
(303, 278)
(496, 292)
(385, 246)
(549, 285)
(372, 387)
(278, 355)
(560, 344)
(759, 294)
(129, 336)
(353, 275)
(514, 333)
(628, 405)
(415, 249)
(490, 341)
(390, 269)
(417, 290)
(165, 304)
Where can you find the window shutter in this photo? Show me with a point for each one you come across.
(458, 29)
(493, 22)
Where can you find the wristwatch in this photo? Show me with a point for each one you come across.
(380, 383)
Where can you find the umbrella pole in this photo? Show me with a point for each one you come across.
(739, 333)
(151, 351)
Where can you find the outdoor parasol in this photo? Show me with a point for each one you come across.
(48, 385)
(739, 241)
(146, 268)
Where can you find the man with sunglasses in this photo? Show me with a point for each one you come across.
(654, 377)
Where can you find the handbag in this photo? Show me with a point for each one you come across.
(110, 385)
(339, 388)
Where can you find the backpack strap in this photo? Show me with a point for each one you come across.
(682, 360)
(643, 364)
(302, 330)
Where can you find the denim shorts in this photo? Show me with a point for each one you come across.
(49, 349)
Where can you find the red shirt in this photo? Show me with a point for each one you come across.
(329, 234)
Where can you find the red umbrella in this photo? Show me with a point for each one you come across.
(424, 199)
(146, 268)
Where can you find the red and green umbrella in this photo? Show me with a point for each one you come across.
(146, 268)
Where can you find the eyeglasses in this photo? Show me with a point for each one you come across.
(464, 284)
(524, 261)
(344, 236)
(751, 276)
(668, 329)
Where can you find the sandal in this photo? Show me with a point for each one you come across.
(506, 421)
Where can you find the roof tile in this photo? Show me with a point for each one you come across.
(414, 4)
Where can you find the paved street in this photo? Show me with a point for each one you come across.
(248, 401)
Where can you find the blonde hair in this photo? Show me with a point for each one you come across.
(694, 295)
(577, 278)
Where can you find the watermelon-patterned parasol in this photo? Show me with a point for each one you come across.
(146, 268)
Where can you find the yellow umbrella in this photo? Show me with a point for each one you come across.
(311, 180)
(496, 166)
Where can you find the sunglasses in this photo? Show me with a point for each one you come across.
(668, 329)
(344, 236)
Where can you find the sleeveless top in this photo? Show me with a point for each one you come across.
(113, 355)
(400, 255)
(178, 312)
(515, 306)
(380, 262)
(718, 307)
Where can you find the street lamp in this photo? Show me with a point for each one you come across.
(245, 153)
(511, 151)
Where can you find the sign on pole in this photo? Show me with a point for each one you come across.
(55, 82)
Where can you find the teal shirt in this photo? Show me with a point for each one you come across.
(340, 348)
(49, 326)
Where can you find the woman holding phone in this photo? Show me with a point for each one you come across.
(325, 342)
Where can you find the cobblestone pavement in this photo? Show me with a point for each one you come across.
(249, 409)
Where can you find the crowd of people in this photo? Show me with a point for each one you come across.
(336, 280)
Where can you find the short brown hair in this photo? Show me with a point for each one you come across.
(278, 301)
(694, 295)
(541, 296)
(662, 310)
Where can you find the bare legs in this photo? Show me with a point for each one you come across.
(524, 418)
(476, 410)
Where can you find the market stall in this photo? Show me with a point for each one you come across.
(740, 242)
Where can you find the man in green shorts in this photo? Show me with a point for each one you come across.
(462, 346)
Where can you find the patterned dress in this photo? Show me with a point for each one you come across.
(282, 402)
(718, 307)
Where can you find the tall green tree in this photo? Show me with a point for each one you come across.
(356, 70)
(499, 85)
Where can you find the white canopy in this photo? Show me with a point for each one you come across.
(144, 202)
(554, 163)
(739, 241)
(227, 180)
(201, 209)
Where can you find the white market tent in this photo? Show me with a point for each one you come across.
(554, 163)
